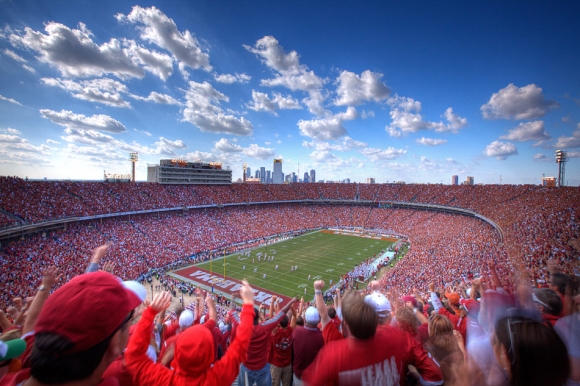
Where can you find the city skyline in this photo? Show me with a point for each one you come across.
(396, 92)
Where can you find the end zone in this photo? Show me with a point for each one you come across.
(228, 287)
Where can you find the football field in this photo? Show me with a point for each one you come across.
(323, 255)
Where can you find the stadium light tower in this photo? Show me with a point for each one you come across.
(134, 157)
(561, 159)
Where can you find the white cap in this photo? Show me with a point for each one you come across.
(186, 319)
(311, 315)
(137, 288)
(379, 302)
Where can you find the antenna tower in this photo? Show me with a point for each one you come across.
(561, 159)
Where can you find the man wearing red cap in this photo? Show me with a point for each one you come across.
(81, 329)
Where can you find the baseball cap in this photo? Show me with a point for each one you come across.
(410, 299)
(470, 305)
(11, 348)
(89, 308)
(453, 297)
(186, 319)
(311, 316)
(379, 302)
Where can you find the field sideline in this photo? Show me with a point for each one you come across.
(321, 254)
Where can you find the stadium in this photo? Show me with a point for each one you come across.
(208, 238)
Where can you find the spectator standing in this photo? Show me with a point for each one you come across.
(306, 343)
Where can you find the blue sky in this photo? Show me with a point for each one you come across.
(414, 91)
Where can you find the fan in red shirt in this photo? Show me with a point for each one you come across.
(280, 356)
(370, 355)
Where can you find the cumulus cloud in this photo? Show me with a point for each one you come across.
(329, 160)
(514, 102)
(328, 128)
(157, 28)
(430, 141)
(529, 131)
(500, 150)
(406, 118)
(145, 132)
(569, 142)
(353, 89)
(69, 119)
(102, 90)
(74, 54)
(157, 63)
(156, 97)
(261, 102)
(203, 110)
(226, 146)
(256, 151)
(388, 154)
(232, 78)
(10, 100)
(14, 56)
(15, 149)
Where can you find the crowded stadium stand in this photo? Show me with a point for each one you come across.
(458, 235)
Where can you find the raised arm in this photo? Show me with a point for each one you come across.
(98, 254)
(320, 305)
(211, 308)
(49, 278)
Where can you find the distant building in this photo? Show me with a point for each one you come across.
(549, 181)
(268, 176)
(257, 174)
(455, 180)
(346, 181)
(277, 175)
(248, 172)
(181, 172)
(251, 180)
(306, 177)
(294, 177)
(469, 181)
(370, 180)
(263, 175)
(313, 175)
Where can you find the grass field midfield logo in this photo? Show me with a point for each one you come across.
(339, 264)
(302, 285)
(330, 270)
(350, 258)
(317, 277)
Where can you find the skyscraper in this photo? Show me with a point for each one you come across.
(263, 175)
(268, 176)
(470, 181)
(248, 172)
(455, 180)
(306, 177)
(277, 175)
(313, 175)
(257, 174)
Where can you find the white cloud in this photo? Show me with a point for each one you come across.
(517, 103)
(161, 30)
(329, 160)
(229, 78)
(406, 118)
(574, 154)
(202, 110)
(157, 63)
(273, 56)
(10, 130)
(156, 97)
(455, 121)
(346, 143)
(256, 151)
(3, 98)
(328, 128)
(353, 89)
(52, 141)
(500, 150)
(528, 131)
(569, 142)
(261, 102)
(14, 56)
(145, 132)
(74, 54)
(431, 141)
(28, 68)
(542, 158)
(68, 119)
(101, 90)
(19, 151)
(390, 153)
(226, 146)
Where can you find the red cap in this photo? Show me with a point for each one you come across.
(87, 309)
(470, 305)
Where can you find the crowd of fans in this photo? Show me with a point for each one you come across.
(460, 261)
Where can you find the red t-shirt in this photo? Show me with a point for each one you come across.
(331, 333)
(306, 342)
(281, 347)
(258, 351)
(382, 359)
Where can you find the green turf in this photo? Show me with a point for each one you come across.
(320, 255)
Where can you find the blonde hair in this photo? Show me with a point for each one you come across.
(441, 333)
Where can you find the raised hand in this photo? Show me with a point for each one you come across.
(246, 293)
(100, 252)
(318, 285)
(50, 277)
(161, 302)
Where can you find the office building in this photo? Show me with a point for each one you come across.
(313, 175)
(277, 175)
(263, 175)
(248, 172)
(306, 177)
(181, 172)
(469, 181)
(455, 180)
(370, 180)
